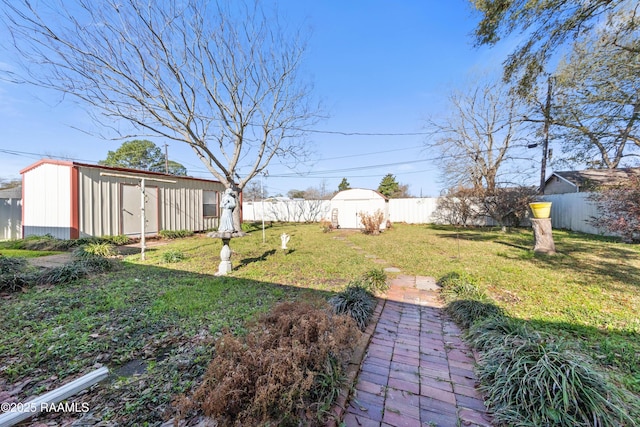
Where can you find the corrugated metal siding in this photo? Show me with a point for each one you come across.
(10, 218)
(179, 203)
(572, 211)
(99, 202)
(47, 201)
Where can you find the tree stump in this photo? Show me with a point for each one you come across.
(543, 236)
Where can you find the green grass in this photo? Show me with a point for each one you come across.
(588, 293)
(170, 314)
(25, 253)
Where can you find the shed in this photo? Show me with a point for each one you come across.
(347, 204)
(69, 200)
(586, 180)
(10, 213)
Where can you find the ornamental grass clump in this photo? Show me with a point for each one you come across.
(355, 301)
(15, 274)
(173, 256)
(466, 312)
(92, 249)
(285, 371)
(529, 382)
(457, 286)
(175, 234)
(375, 281)
(466, 302)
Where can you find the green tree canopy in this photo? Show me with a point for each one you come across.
(344, 185)
(142, 155)
(547, 25)
(392, 188)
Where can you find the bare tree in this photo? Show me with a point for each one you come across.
(222, 77)
(597, 112)
(481, 139)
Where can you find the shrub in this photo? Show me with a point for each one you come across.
(63, 274)
(283, 372)
(118, 240)
(375, 281)
(15, 274)
(173, 255)
(466, 312)
(175, 234)
(540, 383)
(371, 222)
(101, 249)
(326, 225)
(11, 265)
(460, 286)
(499, 331)
(355, 301)
(96, 264)
(619, 211)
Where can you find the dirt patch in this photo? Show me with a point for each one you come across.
(51, 261)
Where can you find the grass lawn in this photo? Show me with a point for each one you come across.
(25, 253)
(153, 323)
(589, 292)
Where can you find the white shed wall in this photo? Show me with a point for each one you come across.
(10, 218)
(350, 203)
(47, 200)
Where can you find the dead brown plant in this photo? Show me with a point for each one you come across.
(277, 373)
(371, 222)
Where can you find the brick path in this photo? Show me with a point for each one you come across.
(417, 371)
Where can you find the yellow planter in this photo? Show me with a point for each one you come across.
(541, 209)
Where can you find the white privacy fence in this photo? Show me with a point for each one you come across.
(287, 210)
(10, 218)
(571, 211)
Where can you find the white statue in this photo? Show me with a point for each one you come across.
(285, 239)
(227, 204)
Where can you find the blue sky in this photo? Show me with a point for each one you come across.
(379, 67)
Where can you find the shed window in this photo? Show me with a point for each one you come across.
(210, 203)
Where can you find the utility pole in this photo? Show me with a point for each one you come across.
(545, 133)
(166, 159)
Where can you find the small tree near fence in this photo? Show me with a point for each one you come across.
(457, 207)
(507, 206)
(619, 209)
(371, 222)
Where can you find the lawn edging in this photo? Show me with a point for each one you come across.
(340, 406)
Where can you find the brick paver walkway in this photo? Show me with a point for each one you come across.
(417, 371)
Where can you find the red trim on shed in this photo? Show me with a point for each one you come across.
(74, 232)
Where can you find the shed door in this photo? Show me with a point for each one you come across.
(131, 210)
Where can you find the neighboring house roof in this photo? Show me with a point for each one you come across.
(590, 179)
(108, 168)
(11, 193)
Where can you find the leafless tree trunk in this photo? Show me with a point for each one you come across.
(480, 139)
(221, 77)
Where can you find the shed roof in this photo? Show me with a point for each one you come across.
(589, 179)
(108, 168)
(11, 193)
